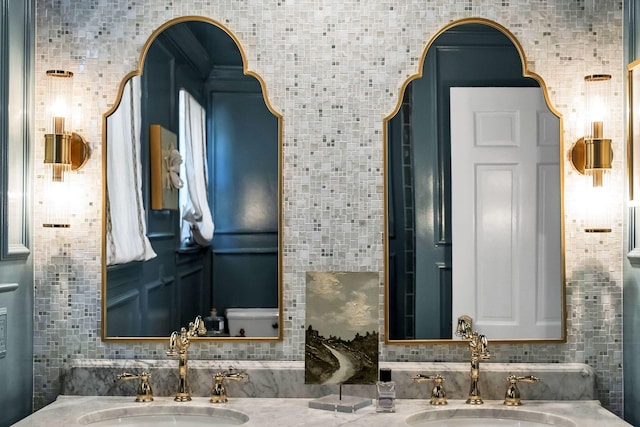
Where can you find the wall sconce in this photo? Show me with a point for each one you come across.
(63, 150)
(592, 154)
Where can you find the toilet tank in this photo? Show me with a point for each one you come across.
(253, 322)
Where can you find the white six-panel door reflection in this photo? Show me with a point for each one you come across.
(505, 181)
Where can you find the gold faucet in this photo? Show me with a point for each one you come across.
(144, 392)
(512, 395)
(479, 351)
(178, 346)
(219, 391)
(438, 394)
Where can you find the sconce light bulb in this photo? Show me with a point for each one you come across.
(597, 91)
(60, 94)
(57, 199)
(59, 108)
(597, 110)
(598, 201)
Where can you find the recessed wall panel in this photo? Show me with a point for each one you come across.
(549, 270)
(497, 129)
(495, 251)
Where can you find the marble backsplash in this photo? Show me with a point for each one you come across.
(284, 379)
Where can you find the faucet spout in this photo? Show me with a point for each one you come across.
(179, 345)
(479, 349)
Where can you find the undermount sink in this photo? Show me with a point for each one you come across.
(487, 417)
(481, 422)
(160, 416)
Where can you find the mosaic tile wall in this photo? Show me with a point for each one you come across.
(334, 69)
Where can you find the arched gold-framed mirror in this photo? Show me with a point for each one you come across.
(193, 133)
(445, 201)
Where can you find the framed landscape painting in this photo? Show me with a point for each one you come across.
(341, 342)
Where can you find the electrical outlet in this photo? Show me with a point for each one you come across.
(3, 332)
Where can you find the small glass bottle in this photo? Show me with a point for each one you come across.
(386, 401)
(214, 323)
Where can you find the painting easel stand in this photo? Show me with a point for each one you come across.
(340, 403)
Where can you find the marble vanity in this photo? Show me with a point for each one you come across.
(275, 394)
(84, 410)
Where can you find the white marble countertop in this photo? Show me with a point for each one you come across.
(283, 412)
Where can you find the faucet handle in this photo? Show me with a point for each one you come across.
(512, 395)
(236, 376)
(438, 393)
(219, 391)
(144, 393)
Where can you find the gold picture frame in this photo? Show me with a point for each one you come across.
(163, 148)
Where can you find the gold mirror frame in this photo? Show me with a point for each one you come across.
(633, 132)
(633, 158)
(385, 122)
(137, 72)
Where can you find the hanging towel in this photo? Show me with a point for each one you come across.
(126, 219)
(197, 224)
